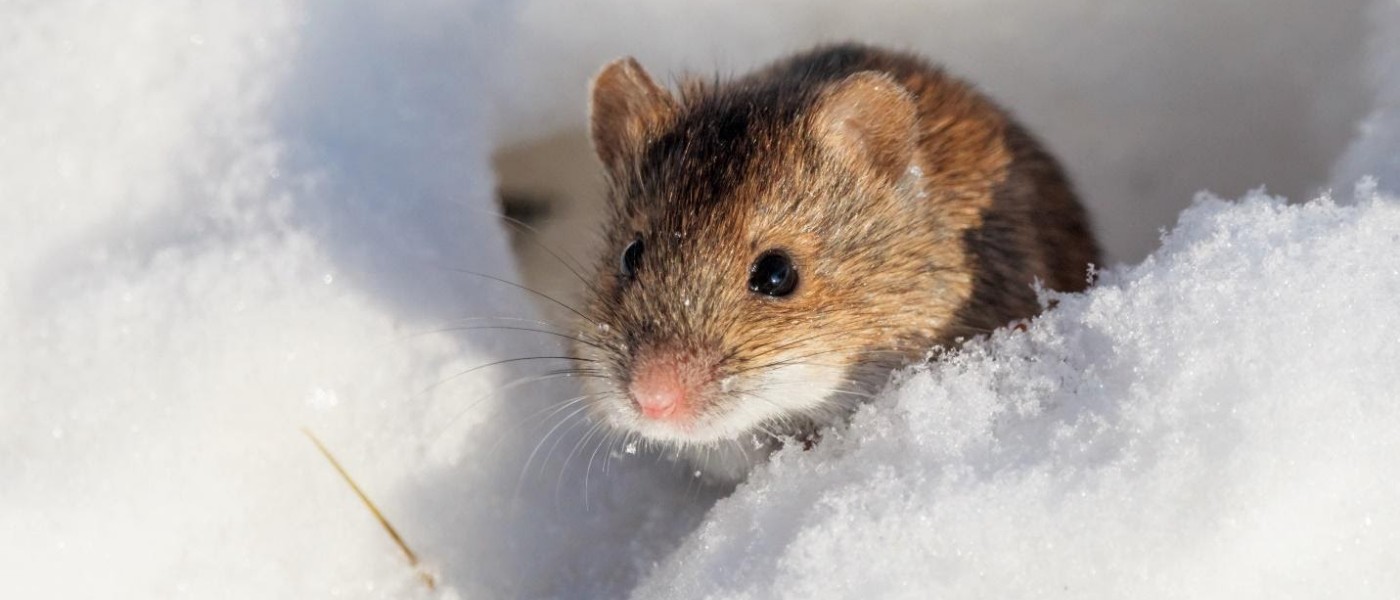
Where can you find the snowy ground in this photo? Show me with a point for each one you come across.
(225, 224)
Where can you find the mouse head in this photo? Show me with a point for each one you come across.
(771, 252)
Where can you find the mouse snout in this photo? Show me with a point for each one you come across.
(667, 384)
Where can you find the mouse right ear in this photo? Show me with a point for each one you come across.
(869, 117)
(627, 107)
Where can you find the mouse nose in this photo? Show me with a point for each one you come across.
(659, 398)
(665, 384)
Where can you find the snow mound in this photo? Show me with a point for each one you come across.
(1218, 421)
(224, 225)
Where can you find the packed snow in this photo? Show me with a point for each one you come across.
(229, 223)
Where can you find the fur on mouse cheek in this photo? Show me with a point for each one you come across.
(787, 394)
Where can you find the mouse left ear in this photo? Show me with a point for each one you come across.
(869, 118)
(627, 107)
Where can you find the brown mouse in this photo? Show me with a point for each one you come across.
(779, 243)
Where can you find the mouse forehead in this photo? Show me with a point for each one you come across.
(703, 158)
(717, 220)
(717, 167)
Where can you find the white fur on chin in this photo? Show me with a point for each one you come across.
(726, 446)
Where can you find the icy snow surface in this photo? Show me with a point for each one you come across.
(225, 222)
(1219, 421)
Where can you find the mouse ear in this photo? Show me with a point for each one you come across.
(626, 108)
(869, 118)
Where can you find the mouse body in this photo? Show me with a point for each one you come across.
(779, 243)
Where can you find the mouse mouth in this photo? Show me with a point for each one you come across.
(672, 389)
(682, 399)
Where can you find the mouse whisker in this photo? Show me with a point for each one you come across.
(525, 469)
(793, 343)
(493, 318)
(608, 433)
(495, 363)
(497, 391)
(525, 288)
(784, 362)
(581, 370)
(534, 237)
(794, 360)
(543, 413)
(525, 329)
(748, 347)
(564, 469)
(610, 441)
(575, 422)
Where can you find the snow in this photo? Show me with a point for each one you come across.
(1217, 421)
(228, 223)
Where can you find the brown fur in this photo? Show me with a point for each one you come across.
(812, 155)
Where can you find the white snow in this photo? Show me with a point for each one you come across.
(224, 223)
(1218, 421)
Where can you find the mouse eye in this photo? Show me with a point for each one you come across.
(773, 274)
(631, 257)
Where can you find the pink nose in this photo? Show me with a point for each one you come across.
(665, 384)
(658, 400)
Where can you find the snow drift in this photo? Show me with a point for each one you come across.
(224, 224)
(1218, 421)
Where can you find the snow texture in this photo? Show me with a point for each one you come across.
(225, 224)
(1218, 421)
(228, 222)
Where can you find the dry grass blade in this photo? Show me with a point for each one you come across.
(408, 553)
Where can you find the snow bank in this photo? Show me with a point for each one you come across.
(224, 224)
(1218, 421)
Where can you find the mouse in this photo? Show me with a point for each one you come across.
(778, 244)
